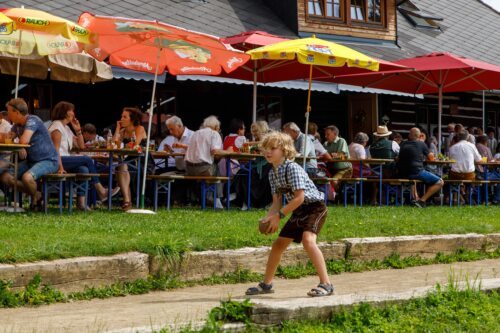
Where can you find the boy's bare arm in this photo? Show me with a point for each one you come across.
(298, 199)
(276, 205)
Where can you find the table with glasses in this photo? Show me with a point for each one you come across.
(15, 149)
(116, 157)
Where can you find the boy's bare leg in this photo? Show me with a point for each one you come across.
(279, 246)
(316, 256)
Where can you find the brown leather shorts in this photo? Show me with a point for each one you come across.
(308, 217)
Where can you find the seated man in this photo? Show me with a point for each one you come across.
(176, 142)
(465, 154)
(204, 144)
(298, 141)
(90, 136)
(337, 147)
(41, 157)
(412, 154)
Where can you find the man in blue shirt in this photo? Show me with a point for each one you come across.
(40, 158)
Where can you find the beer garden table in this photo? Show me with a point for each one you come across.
(14, 148)
(120, 154)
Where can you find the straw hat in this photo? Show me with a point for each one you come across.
(382, 131)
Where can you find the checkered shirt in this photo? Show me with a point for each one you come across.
(289, 178)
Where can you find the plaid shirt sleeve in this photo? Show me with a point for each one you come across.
(272, 182)
(296, 177)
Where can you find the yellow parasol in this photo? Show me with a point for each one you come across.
(37, 33)
(6, 25)
(328, 59)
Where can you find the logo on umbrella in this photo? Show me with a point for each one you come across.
(332, 60)
(233, 61)
(33, 21)
(310, 58)
(187, 69)
(319, 49)
(136, 63)
(60, 45)
(9, 42)
(3, 28)
(283, 54)
(79, 31)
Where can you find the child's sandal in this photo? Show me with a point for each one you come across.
(323, 289)
(261, 288)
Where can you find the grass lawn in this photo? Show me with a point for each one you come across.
(31, 237)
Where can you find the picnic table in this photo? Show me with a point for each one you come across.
(120, 154)
(14, 148)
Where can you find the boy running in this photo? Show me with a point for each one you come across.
(308, 210)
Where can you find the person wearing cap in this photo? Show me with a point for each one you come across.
(411, 159)
(337, 147)
(385, 149)
(40, 158)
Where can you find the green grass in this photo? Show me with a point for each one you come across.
(443, 310)
(31, 237)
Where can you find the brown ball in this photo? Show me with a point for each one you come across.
(263, 225)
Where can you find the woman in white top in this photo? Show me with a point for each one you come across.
(357, 151)
(64, 140)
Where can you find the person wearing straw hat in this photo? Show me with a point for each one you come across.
(386, 149)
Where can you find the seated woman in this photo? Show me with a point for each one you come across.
(357, 151)
(260, 193)
(233, 142)
(64, 140)
(128, 129)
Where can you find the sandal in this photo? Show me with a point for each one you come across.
(126, 206)
(323, 289)
(261, 288)
(114, 192)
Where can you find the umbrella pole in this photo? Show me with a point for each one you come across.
(254, 97)
(308, 109)
(440, 113)
(143, 189)
(18, 63)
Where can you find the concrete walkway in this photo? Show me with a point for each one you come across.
(159, 309)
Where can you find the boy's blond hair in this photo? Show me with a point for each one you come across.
(283, 141)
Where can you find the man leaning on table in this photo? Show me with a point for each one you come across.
(176, 142)
(40, 158)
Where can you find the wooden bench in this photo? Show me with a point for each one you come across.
(162, 184)
(395, 186)
(350, 186)
(323, 185)
(56, 183)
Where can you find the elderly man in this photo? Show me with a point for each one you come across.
(337, 147)
(298, 140)
(465, 154)
(41, 157)
(176, 142)
(411, 165)
(204, 144)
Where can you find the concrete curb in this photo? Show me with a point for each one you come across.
(76, 273)
(274, 312)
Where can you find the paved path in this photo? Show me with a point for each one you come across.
(192, 304)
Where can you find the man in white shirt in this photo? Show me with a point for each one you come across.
(204, 144)
(465, 154)
(176, 142)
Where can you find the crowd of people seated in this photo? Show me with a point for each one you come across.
(203, 152)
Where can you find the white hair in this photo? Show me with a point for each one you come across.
(212, 122)
(174, 120)
(293, 126)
